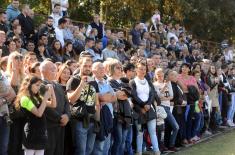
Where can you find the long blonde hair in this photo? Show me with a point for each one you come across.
(9, 64)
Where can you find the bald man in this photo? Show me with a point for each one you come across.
(56, 118)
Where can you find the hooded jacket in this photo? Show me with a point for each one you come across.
(12, 12)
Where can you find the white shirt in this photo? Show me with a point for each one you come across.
(142, 89)
(228, 56)
(171, 34)
(60, 35)
(158, 87)
(63, 3)
(56, 18)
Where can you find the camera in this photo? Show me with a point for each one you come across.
(43, 89)
(4, 110)
(89, 79)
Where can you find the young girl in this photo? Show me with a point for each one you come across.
(34, 104)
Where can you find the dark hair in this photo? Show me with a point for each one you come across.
(30, 41)
(32, 68)
(195, 65)
(70, 62)
(98, 41)
(62, 21)
(128, 66)
(49, 17)
(42, 35)
(60, 51)
(2, 12)
(88, 39)
(80, 26)
(194, 72)
(57, 4)
(9, 41)
(185, 64)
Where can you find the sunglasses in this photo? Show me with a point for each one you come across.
(18, 57)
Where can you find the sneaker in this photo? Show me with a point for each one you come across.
(230, 123)
(207, 133)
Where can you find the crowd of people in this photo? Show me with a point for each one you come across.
(80, 89)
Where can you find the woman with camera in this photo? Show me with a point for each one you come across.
(165, 92)
(33, 101)
(143, 94)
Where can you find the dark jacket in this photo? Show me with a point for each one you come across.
(26, 24)
(178, 95)
(106, 122)
(139, 104)
(53, 115)
(123, 113)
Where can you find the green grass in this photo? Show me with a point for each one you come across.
(223, 144)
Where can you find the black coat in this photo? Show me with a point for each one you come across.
(139, 104)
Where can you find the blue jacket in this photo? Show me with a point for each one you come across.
(12, 12)
(104, 41)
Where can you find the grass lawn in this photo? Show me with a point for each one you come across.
(223, 144)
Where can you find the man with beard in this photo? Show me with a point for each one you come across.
(83, 96)
(49, 30)
(58, 117)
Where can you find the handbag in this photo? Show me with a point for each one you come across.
(79, 110)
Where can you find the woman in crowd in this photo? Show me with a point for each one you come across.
(185, 80)
(15, 73)
(179, 109)
(165, 92)
(57, 51)
(41, 52)
(212, 81)
(198, 113)
(122, 114)
(34, 70)
(34, 103)
(11, 46)
(68, 51)
(143, 98)
(63, 75)
(73, 65)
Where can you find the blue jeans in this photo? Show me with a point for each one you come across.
(84, 138)
(119, 137)
(197, 124)
(4, 136)
(231, 110)
(102, 147)
(153, 136)
(129, 137)
(170, 119)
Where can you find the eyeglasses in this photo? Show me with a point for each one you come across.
(118, 67)
(18, 57)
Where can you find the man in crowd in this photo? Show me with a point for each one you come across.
(3, 22)
(56, 14)
(83, 92)
(106, 98)
(26, 22)
(59, 30)
(49, 30)
(97, 25)
(13, 10)
(56, 118)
